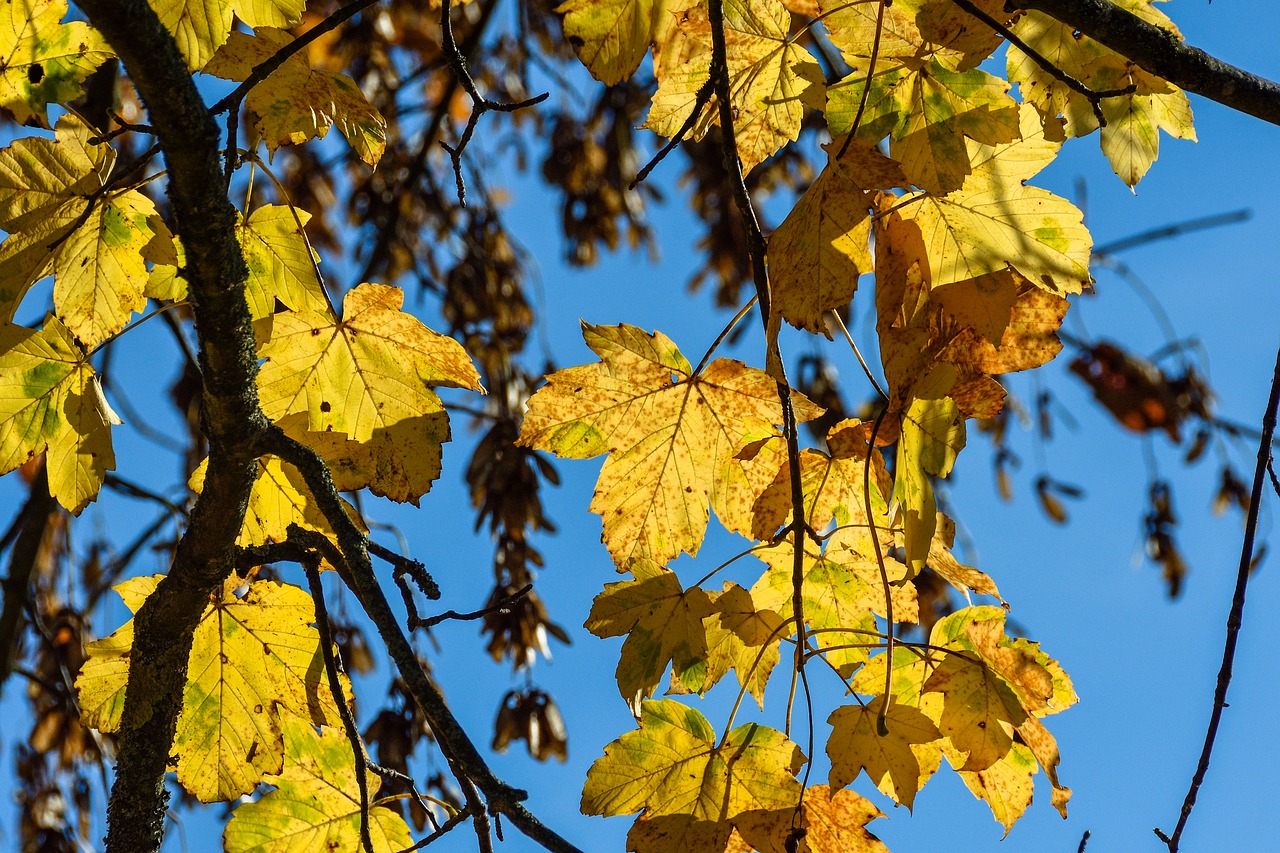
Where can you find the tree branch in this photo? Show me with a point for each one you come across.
(205, 222)
(1165, 55)
(1236, 617)
(351, 557)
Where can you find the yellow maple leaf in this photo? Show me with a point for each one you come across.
(611, 37)
(671, 437)
(279, 497)
(662, 623)
(200, 27)
(51, 402)
(399, 461)
(316, 804)
(856, 745)
(987, 226)
(44, 58)
(819, 250)
(738, 637)
(368, 371)
(673, 765)
(1005, 785)
(57, 224)
(298, 102)
(281, 264)
(771, 78)
(1130, 139)
(251, 656)
(830, 821)
(842, 593)
(928, 111)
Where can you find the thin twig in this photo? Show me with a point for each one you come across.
(479, 105)
(502, 605)
(699, 102)
(311, 563)
(1235, 619)
(866, 86)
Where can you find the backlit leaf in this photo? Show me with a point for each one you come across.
(316, 804)
(673, 765)
(251, 656)
(368, 371)
(856, 745)
(200, 27)
(771, 79)
(662, 623)
(51, 402)
(298, 102)
(671, 438)
(829, 822)
(611, 37)
(45, 59)
(281, 265)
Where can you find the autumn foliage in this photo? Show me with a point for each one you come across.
(924, 186)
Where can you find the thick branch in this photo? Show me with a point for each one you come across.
(1165, 55)
(215, 272)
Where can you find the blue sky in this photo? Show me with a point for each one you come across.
(1144, 667)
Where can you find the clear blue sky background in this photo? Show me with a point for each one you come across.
(1144, 667)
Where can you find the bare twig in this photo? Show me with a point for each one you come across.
(699, 102)
(311, 563)
(500, 606)
(479, 105)
(1235, 619)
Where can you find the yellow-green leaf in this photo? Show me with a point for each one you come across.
(662, 623)
(99, 272)
(44, 58)
(1006, 785)
(671, 437)
(251, 656)
(673, 765)
(842, 593)
(298, 102)
(316, 804)
(932, 435)
(928, 111)
(281, 264)
(51, 402)
(369, 370)
(856, 744)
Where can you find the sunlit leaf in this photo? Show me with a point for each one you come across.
(674, 765)
(316, 803)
